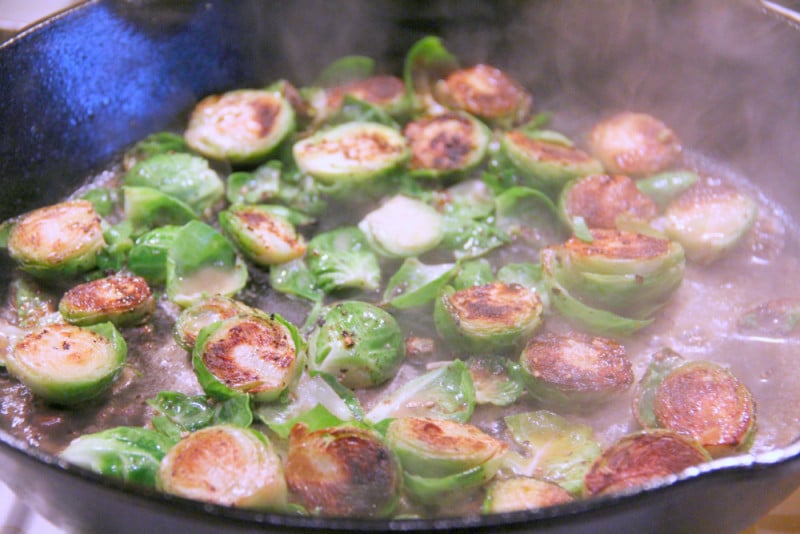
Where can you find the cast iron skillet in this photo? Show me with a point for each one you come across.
(77, 89)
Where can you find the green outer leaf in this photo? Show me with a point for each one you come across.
(471, 238)
(430, 490)
(356, 110)
(494, 384)
(342, 259)
(189, 413)
(118, 240)
(662, 364)
(128, 453)
(155, 143)
(665, 186)
(148, 208)
(294, 278)
(103, 199)
(346, 69)
(254, 187)
(416, 284)
(443, 393)
(148, 257)
(426, 61)
(529, 214)
(349, 398)
(473, 273)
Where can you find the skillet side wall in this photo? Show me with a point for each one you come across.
(76, 91)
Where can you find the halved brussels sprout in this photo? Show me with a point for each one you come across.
(486, 92)
(184, 177)
(202, 263)
(122, 300)
(555, 449)
(147, 208)
(148, 257)
(487, 318)
(156, 143)
(241, 126)
(387, 93)
(470, 199)
(626, 273)
(255, 354)
(445, 144)
(295, 278)
(129, 453)
(415, 284)
(198, 316)
(446, 392)
(634, 144)
(402, 227)
(709, 220)
(523, 493)
(351, 153)
(254, 187)
(358, 343)
(698, 399)
(177, 414)
(642, 457)
(494, 384)
(343, 471)
(546, 161)
(601, 199)
(263, 236)
(227, 465)
(441, 458)
(342, 259)
(57, 241)
(575, 370)
(66, 364)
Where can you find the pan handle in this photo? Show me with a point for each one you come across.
(789, 9)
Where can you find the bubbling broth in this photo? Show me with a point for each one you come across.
(701, 319)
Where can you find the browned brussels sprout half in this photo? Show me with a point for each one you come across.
(523, 493)
(575, 370)
(445, 144)
(635, 144)
(263, 236)
(639, 458)
(196, 317)
(57, 241)
(342, 471)
(601, 199)
(123, 300)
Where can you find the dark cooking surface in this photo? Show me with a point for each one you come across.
(93, 92)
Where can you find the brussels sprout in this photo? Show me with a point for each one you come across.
(445, 144)
(629, 274)
(575, 370)
(470, 199)
(487, 318)
(698, 399)
(436, 455)
(773, 318)
(351, 153)
(386, 93)
(446, 392)
(415, 284)
(402, 227)
(342, 259)
(262, 236)
(241, 126)
(555, 449)
(148, 257)
(634, 144)
(33, 305)
(318, 401)
(662, 188)
(201, 263)
(600, 200)
(147, 208)
(178, 414)
(66, 364)
(545, 161)
(295, 278)
(342, 471)
(473, 273)
(128, 453)
(198, 316)
(426, 62)
(471, 238)
(255, 354)
(184, 177)
(493, 381)
(640, 458)
(153, 144)
(709, 220)
(530, 215)
(122, 300)
(104, 199)
(226, 465)
(486, 92)
(522, 493)
(254, 187)
(358, 343)
(57, 241)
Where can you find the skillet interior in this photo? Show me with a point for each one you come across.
(80, 88)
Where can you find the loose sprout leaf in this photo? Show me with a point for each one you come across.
(535, 123)
(346, 69)
(436, 489)
(471, 199)
(524, 274)
(354, 109)
(663, 363)
(118, 240)
(347, 395)
(147, 208)
(104, 199)
(254, 187)
(342, 259)
(426, 62)
(493, 382)
(580, 229)
(148, 257)
(128, 453)
(530, 215)
(294, 278)
(663, 187)
(773, 318)
(443, 393)
(190, 413)
(473, 273)
(470, 238)
(416, 284)
(153, 144)
(556, 450)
